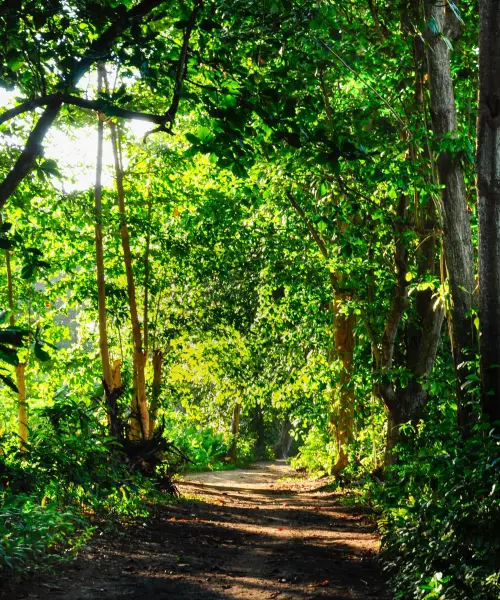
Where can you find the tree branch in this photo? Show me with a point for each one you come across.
(400, 298)
(314, 234)
(32, 150)
(98, 105)
(98, 50)
(180, 74)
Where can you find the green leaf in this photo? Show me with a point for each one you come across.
(321, 225)
(239, 170)
(27, 271)
(9, 383)
(193, 139)
(9, 355)
(40, 353)
(15, 64)
(13, 335)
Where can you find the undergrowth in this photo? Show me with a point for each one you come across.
(442, 517)
(71, 475)
(438, 511)
(438, 508)
(206, 448)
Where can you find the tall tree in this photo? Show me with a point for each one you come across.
(488, 189)
(110, 389)
(442, 24)
(140, 413)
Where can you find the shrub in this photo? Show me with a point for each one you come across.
(442, 526)
(32, 535)
(317, 454)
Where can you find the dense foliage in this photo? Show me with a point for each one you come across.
(238, 230)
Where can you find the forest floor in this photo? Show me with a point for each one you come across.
(246, 534)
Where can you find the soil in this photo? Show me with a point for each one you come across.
(242, 534)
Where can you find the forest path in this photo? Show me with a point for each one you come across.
(247, 536)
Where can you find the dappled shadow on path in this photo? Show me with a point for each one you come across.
(234, 541)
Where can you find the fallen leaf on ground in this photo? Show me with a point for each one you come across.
(322, 584)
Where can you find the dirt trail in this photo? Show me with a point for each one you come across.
(247, 536)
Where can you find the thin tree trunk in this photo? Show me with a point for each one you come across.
(342, 417)
(234, 430)
(457, 235)
(140, 415)
(22, 411)
(157, 382)
(22, 406)
(488, 188)
(109, 388)
(146, 274)
(391, 440)
(406, 404)
(259, 429)
(116, 374)
(342, 411)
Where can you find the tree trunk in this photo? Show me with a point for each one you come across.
(259, 429)
(116, 373)
(22, 407)
(32, 151)
(488, 188)
(406, 404)
(391, 440)
(342, 412)
(234, 430)
(145, 318)
(109, 389)
(139, 426)
(140, 405)
(22, 412)
(457, 235)
(157, 381)
(342, 416)
(282, 449)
